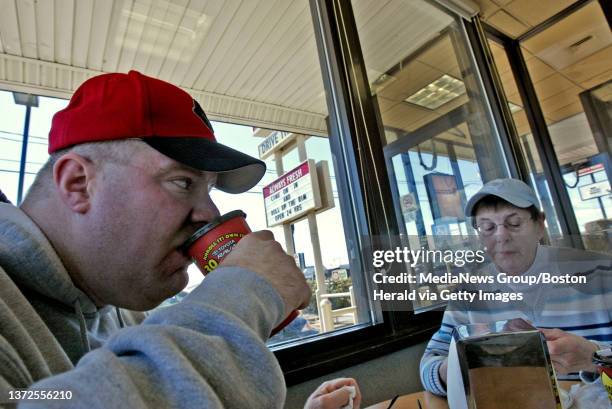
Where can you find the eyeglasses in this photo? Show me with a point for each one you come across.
(512, 224)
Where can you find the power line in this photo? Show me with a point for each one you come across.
(16, 171)
(21, 135)
(18, 161)
(18, 141)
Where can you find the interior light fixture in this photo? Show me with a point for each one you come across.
(438, 93)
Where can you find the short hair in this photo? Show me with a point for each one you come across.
(492, 201)
(120, 151)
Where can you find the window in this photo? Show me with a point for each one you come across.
(11, 140)
(526, 140)
(569, 65)
(439, 142)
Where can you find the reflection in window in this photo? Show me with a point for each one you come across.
(439, 142)
(568, 63)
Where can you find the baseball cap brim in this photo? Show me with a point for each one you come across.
(469, 208)
(237, 172)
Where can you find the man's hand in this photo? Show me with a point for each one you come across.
(260, 253)
(569, 352)
(334, 394)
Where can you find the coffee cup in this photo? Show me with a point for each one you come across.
(211, 243)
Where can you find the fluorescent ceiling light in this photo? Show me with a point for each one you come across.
(513, 107)
(438, 93)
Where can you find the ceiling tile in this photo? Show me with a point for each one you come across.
(500, 57)
(596, 80)
(452, 104)
(577, 36)
(487, 8)
(552, 85)
(521, 122)
(402, 115)
(590, 67)
(413, 126)
(560, 100)
(509, 84)
(507, 24)
(385, 104)
(440, 56)
(534, 12)
(565, 112)
(409, 80)
(538, 70)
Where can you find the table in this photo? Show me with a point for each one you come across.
(430, 401)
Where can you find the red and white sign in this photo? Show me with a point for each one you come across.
(590, 169)
(292, 195)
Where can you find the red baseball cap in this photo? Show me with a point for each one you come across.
(122, 106)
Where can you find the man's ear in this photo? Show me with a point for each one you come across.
(73, 175)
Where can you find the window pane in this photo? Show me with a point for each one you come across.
(569, 66)
(11, 139)
(439, 141)
(527, 144)
(322, 235)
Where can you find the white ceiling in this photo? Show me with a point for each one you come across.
(251, 61)
(247, 61)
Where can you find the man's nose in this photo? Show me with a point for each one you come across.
(204, 211)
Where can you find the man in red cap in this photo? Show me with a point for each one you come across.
(99, 235)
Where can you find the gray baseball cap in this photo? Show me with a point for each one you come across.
(513, 191)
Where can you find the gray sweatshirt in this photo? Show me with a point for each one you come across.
(207, 351)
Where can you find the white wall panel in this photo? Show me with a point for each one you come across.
(220, 22)
(253, 35)
(9, 28)
(82, 32)
(48, 78)
(167, 29)
(30, 73)
(283, 42)
(64, 23)
(205, 23)
(100, 26)
(116, 34)
(148, 39)
(27, 28)
(45, 29)
(191, 31)
(138, 17)
(228, 44)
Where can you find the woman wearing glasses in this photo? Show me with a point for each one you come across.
(574, 318)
